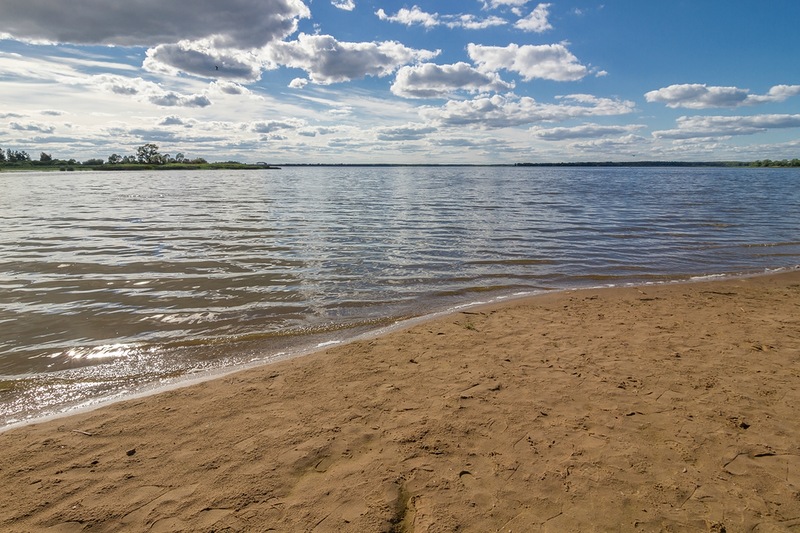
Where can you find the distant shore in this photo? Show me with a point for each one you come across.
(233, 165)
(136, 167)
(658, 407)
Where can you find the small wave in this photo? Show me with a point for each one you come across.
(108, 351)
(511, 262)
(328, 343)
(184, 318)
(772, 244)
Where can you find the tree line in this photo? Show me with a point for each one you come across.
(147, 154)
(782, 163)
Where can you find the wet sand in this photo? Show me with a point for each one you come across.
(632, 409)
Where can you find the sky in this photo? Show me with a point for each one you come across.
(427, 81)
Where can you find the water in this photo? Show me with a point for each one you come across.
(110, 282)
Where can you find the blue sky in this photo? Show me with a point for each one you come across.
(431, 81)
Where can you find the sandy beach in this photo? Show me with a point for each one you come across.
(655, 408)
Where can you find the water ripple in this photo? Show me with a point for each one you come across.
(111, 281)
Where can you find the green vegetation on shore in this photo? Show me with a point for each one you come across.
(148, 157)
(766, 163)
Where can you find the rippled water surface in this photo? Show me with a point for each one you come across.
(114, 281)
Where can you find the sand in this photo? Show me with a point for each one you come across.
(657, 408)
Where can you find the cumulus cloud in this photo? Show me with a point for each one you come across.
(411, 17)
(437, 81)
(725, 126)
(461, 143)
(204, 59)
(409, 132)
(501, 111)
(172, 120)
(416, 17)
(536, 21)
(346, 5)
(327, 60)
(546, 61)
(272, 126)
(471, 22)
(778, 93)
(697, 96)
(173, 99)
(228, 87)
(495, 4)
(208, 38)
(145, 90)
(584, 131)
(617, 145)
(123, 85)
(701, 96)
(39, 128)
(243, 24)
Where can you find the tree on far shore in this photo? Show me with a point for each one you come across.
(148, 154)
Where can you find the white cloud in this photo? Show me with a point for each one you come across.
(408, 132)
(415, 16)
(536, 21)
(701, 96)
(32, 127)
(778, 93)
(327, 60)
(725, 126)
(584, 131)
(271, 126)
(346, 5)
(228, 87)
(411, 17)
(546, 61)
(697, 96)
(471, 22)
(501, 111)
(605, 144)
(437, 81)
(240, 24)
(496, 4)
(172, 120)
(298, 83)
(145, 90)
(173, 99)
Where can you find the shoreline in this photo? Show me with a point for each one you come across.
(297, 350)
(634, 408)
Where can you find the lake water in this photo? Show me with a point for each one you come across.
(115, 282)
